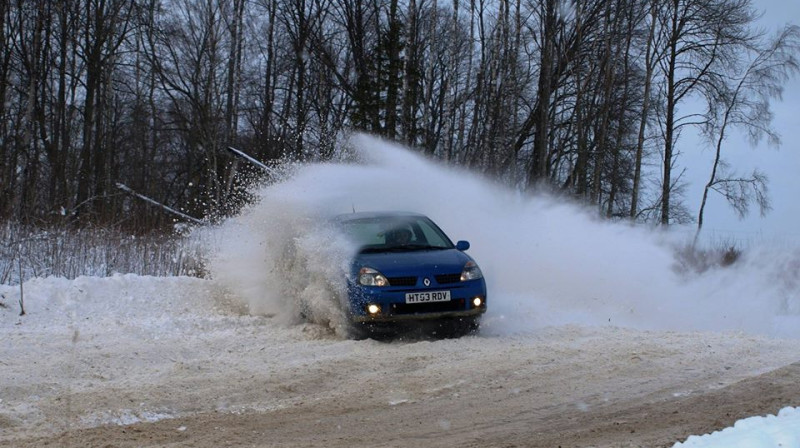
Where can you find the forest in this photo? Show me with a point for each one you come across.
(583, 98)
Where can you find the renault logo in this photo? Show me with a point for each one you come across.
(426, 281)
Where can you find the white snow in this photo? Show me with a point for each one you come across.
(770, 431)
(127, 349)
(546, 260)
(566, 291)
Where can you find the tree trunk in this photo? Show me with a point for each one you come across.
(6, 195)
(544, 90)
(649, 67)
(393, 36)
(411, 76)
(666, 185)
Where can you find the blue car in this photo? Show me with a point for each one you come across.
(407, 271)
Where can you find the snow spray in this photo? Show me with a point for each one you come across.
(547, 261)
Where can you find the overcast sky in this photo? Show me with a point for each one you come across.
(782, 165)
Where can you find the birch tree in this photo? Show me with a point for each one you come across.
(743, 102)
(699, 38)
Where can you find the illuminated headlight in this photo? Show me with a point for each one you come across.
(477, 302)
(471, 272)
(371, 277)
(373, 309)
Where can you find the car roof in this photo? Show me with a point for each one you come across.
(376, 214)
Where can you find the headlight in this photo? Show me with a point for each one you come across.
(471, 272)
(371, 277)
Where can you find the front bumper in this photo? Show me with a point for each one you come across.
(392, 302)
(419, 316)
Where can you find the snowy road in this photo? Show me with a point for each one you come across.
(185, 365)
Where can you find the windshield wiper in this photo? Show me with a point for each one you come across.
(400, 248)
(372, 250)
(415, 247)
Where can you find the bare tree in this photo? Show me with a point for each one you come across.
(743, 102)
(569, 94)
(105, 27)
(7, 35)
(649, 65)
(699, 37)
(187, 56)
(544, 90)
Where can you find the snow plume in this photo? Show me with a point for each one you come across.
(280, 258)
(546, 261)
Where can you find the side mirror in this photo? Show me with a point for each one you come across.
(462, 245)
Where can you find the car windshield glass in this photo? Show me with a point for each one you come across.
(395, 233)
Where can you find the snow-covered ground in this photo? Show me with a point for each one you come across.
(128, 349)
(587, 319)
(781, 430)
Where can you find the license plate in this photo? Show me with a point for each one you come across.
(428, 296)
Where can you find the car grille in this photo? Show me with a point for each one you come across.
(432, 307)
(402, 281)
(448, 278)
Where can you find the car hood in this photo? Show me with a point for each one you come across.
(393, 264)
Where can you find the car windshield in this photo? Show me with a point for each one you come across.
(395, 234)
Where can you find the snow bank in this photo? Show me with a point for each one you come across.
(547, 261)
(771, 431)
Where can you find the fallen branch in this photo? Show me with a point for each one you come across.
(166, 208)
(255, 162)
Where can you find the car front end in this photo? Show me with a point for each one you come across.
(406, 271)
(413, 291)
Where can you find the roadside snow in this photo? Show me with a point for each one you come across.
(771, 431)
